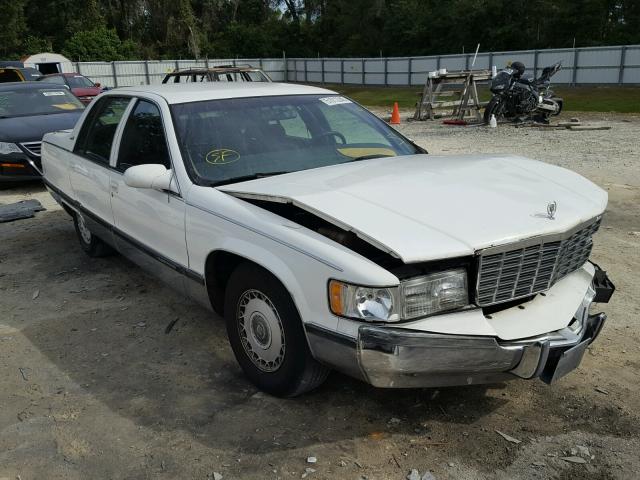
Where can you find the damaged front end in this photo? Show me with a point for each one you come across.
(397, 353)
(396, 357)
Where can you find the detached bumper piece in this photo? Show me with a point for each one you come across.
(400, 358)
(603, 286)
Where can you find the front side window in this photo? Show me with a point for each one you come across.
(96, 136)
(143, 139)
(224, 141)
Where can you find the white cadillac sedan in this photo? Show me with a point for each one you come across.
(327, 240)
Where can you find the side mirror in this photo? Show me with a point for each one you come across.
(150, 176)
(97, 84)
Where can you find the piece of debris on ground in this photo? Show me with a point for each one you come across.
(20, 210)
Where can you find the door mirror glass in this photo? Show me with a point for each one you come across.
(151, 175)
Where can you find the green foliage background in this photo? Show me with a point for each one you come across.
(138, 29)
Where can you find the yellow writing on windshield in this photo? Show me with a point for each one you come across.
(222, 156)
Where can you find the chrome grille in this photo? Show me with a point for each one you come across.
(33, 148)
(522, 269)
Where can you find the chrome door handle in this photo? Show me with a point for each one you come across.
(114, 188)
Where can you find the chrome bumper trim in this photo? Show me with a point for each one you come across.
(393, 357)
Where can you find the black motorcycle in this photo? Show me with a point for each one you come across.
(517, 98)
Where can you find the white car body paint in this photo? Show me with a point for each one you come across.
(426, 207)
(418, 208)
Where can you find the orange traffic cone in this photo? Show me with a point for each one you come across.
(395, 115)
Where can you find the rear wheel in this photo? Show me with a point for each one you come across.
(494, 107)
(266, 334)
(92, 245)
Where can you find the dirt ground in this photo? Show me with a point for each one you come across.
(92, 387)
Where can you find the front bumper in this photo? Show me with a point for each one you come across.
(395, 357)
(19, 167)
(392, 357)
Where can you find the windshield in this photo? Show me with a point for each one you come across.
(37, 101)
(229, 140)
(78, 81)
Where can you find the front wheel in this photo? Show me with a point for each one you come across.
(92, 245)
(266, 334)
(494, 107)
(560, 103)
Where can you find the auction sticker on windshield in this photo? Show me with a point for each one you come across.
(337, 100)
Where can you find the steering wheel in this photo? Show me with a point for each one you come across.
(332, 133)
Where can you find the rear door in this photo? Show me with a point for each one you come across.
(89, 170)
(147, 220)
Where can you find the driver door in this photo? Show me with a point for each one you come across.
(149, 223)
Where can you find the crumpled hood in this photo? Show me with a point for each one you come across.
(427, 207)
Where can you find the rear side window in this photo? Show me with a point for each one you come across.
(143, 139)
(96, 136)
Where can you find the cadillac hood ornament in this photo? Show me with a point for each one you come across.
(552, 207)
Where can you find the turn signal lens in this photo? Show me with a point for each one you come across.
(336, 297)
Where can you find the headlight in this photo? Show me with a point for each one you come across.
(7, 148)
(414, 298)
(367, 303)
(434, 293)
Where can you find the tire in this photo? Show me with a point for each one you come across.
(560, 102)
(494, 107)
(269, 341)
(90, 243)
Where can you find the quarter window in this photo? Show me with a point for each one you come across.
(96, 136)
(143, 139)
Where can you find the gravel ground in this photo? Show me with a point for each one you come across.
(91, 386)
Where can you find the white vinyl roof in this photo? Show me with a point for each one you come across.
(194, 92)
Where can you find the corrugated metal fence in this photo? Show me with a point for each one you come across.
(580, 66)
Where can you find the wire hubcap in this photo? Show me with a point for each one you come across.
(85, 233)
(260, 329)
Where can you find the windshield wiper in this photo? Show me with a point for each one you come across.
(369, 157)
(245, 178)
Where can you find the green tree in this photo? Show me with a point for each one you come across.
(100, 44)
(13, 28)
(223, 28)
(33, 44)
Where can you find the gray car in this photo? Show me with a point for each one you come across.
(28, 110)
